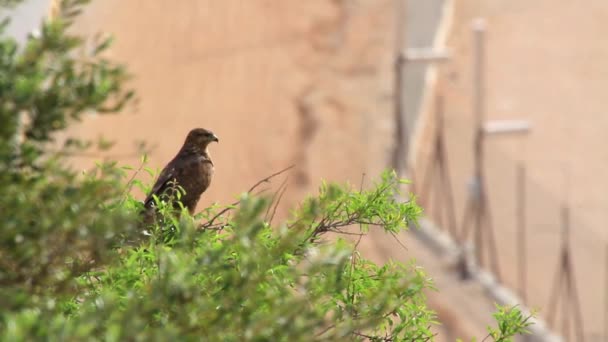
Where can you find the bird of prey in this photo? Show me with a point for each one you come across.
(190, 170)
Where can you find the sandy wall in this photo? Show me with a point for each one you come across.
(304, 83)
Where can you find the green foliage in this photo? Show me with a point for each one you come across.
(237, 278)
(56, 225)
(9, 3)
(511, 322)
(55, 228)
(78, 263)
(50, 81)
(247, 280)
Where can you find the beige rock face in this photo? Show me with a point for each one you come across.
(281, 83)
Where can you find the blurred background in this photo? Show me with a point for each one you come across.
(495, 110)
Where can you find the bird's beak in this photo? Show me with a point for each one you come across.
(215, 138)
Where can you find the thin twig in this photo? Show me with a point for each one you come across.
(267, 179)
(274, 197)
(362, 181)
(130, 181)
(326, 330)
(261, 191)
(210, 222)
(398, 241)
(341, 232)
(352, 269)
(281, 193)
(372, 338)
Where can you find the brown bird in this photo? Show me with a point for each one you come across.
(191, 170)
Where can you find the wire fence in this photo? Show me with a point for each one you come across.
(528, 236)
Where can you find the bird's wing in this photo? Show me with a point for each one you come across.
(163, 181)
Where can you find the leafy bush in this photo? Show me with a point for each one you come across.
(76, 263)
(56, 225)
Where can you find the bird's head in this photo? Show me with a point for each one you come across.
(199, 138)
